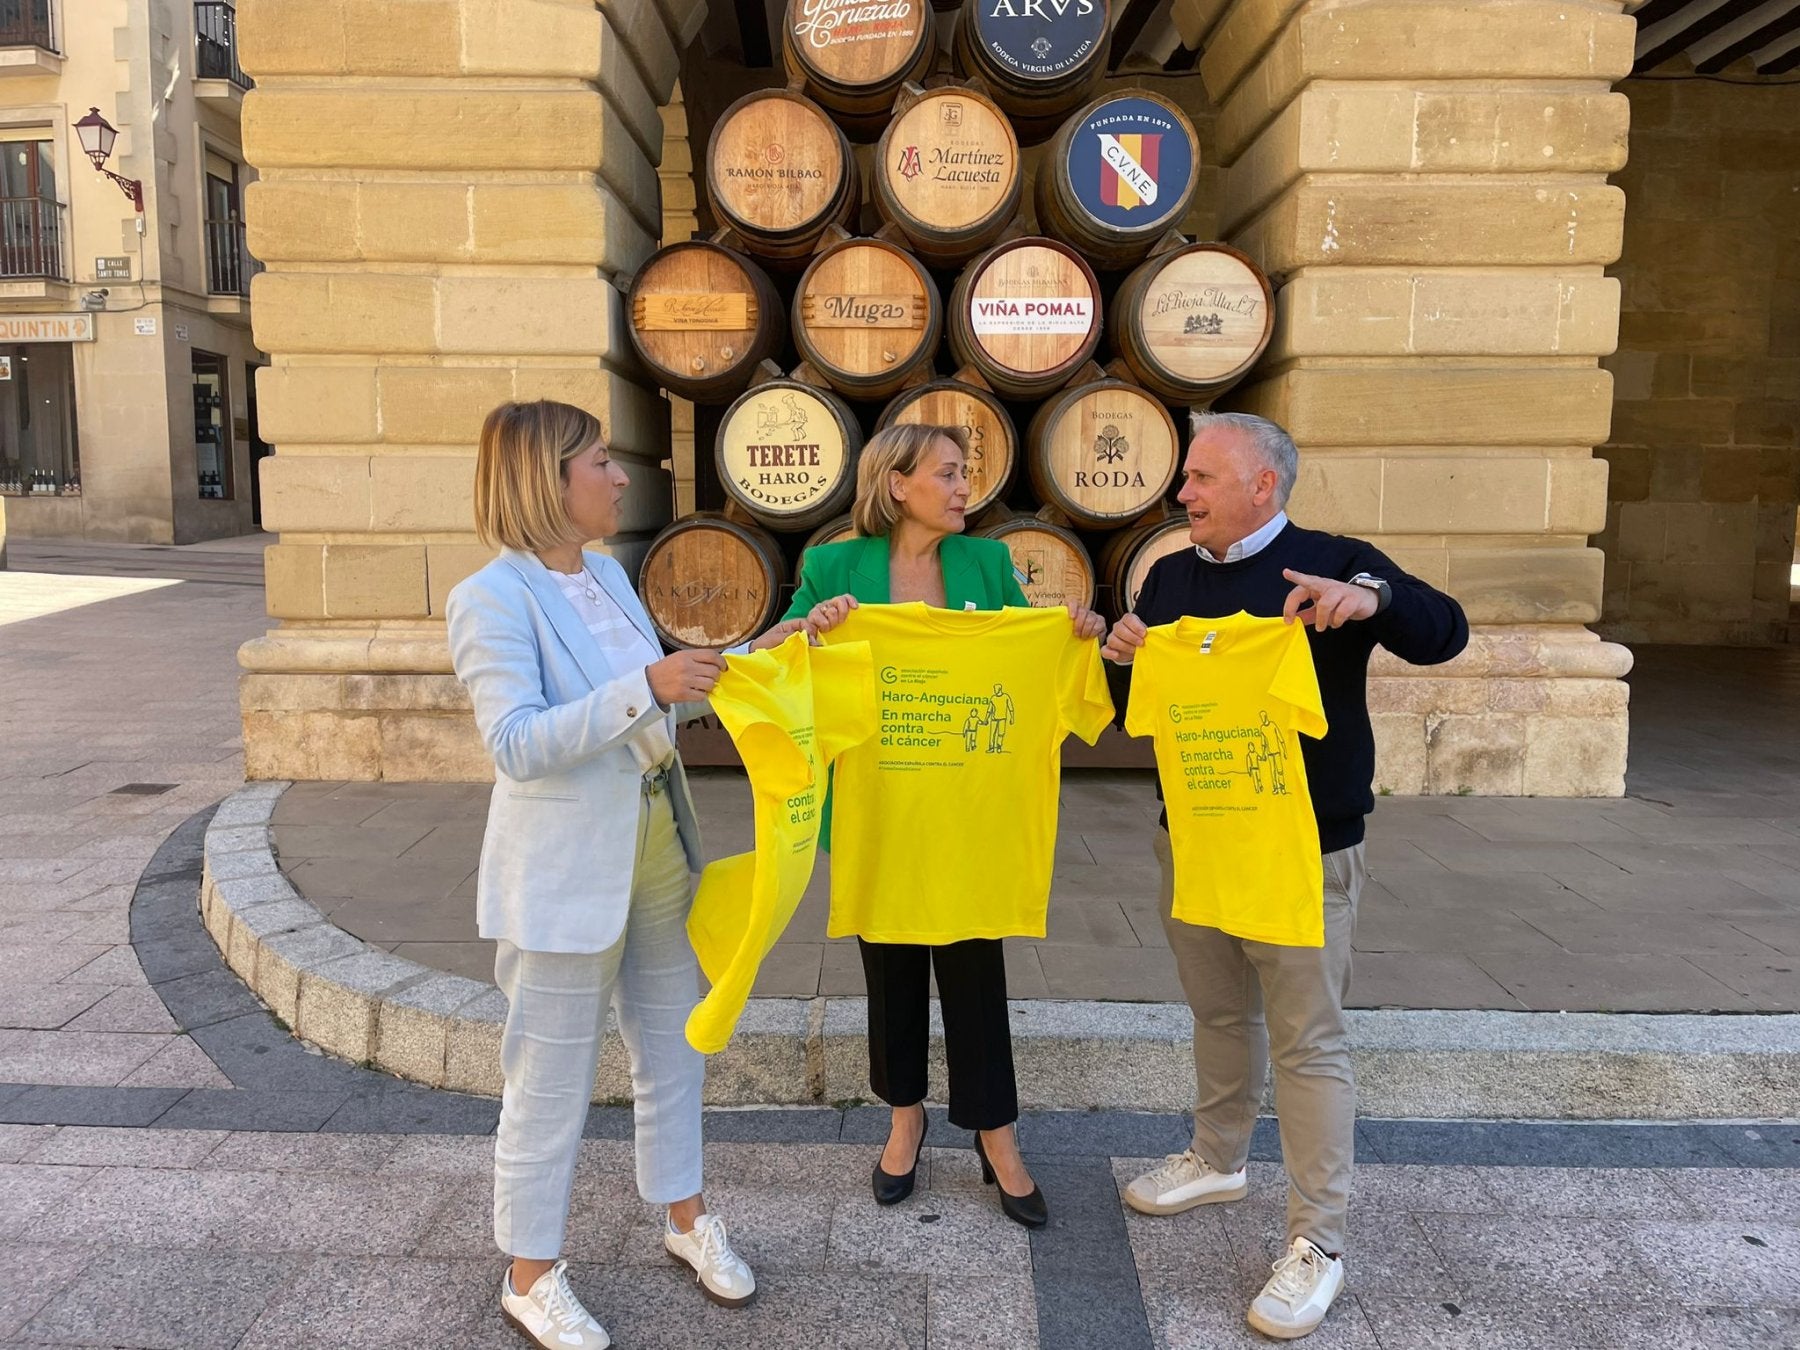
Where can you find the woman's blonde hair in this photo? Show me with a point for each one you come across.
(519, 473)
(898, 449)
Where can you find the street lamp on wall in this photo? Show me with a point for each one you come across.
(97, 137)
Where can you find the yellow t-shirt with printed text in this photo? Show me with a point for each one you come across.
(790, 711)
(1227, 701)
(944, 823)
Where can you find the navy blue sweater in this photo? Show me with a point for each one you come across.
(1422, 625)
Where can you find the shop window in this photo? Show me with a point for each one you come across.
(37, 421)
(212, 427)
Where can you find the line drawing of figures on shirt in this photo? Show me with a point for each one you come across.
(972, 725)
(1265, 751)
(999, 718)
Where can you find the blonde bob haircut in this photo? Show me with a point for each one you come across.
(898, 449)
(519, 473)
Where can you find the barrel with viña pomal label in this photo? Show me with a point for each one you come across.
(786, 452)
(1026, 316)
(1117, 176)
(1039, 57)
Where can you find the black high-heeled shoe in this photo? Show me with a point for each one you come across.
(890, 1189)
(1030, 1210)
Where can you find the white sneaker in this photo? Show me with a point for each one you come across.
(550, 1315)
(720, 1272)
(1299, 1294)
(1182, 1181)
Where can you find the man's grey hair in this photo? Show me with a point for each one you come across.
(1272, 445)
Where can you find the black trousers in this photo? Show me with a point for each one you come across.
(971, 980)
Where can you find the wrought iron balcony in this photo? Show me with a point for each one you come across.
(215, 37)
(31, 239)
(28, 23)
(229, 265)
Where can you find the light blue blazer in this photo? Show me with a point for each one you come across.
(561, 844)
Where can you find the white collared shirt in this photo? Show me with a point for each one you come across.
(1251, 544)
(625, 648)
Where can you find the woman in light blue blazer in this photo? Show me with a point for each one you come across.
(584, 879)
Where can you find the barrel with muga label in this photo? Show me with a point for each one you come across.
(853, 55)
(993, 440)
(947, 173)
(867, 317)
(702, 317)
(711, 582)
(1103, 453)
(1026, 315)
(780, 173)
(1128, 556)
(833, 531)
(1191, 323)
(1040, 57)
(1117, 176)
(1052, 567)
(786, 452)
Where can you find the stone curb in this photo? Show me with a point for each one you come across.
(361, 1003)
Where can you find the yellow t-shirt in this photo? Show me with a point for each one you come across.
(790, 710)
(1227, 701)
(944, 824)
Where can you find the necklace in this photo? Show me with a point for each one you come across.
(589, 587)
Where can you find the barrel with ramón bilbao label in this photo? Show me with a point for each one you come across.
(1052, 566)
(702, 317)
(1117, 176)
(852, 56)
(786, 453)
(1040, 57)
(1190, 323)
(709, 581)
(780, 173)
(1102, 452)
(947, 173)
(1026, 316)
(867, 317)
(993, 440)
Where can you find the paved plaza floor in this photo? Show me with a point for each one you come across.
(209, 1182)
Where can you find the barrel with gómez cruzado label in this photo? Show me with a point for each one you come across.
(707, 581)
(947, 173)
(1190, 323)
(852, 56)
(701, 318)
(1117, 176)
(1040, 57)
(993, 440)
(1102, 453)
(780, 173)
(786, 452)
(867, 317)
(1026, 315)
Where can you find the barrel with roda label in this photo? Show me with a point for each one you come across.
(993, 440)
(1026, 315)
(780, 173)
(1052, 567)
(1129, 555)
(947, 173)
(786, 452)
(1103, 453)
(833, 531)
(1117, 176)
(1040, 57)
(852, 56)
(701, 318)
(707, 581)
(867, 317)
(1190, 323)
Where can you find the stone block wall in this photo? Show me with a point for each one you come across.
(1699, 537)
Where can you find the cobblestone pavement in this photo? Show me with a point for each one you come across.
(364, 1220)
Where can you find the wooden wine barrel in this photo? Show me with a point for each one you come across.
(1191, 323)
(1026, 315)
(779, 172)
(852, 56)
(867, 316)
(1117, 176)
(833, 531)
(702, 318)
(947, 173)
(1103, 453)
(993, 440)
(786, 452)
(1039, 58)
(1053, 567)
(711, 582)
(1128, 555)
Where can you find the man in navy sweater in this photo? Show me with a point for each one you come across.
(1253, 1001)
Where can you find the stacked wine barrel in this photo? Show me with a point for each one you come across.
(1067, 329)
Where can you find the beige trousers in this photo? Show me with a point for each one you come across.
(1255, 1003)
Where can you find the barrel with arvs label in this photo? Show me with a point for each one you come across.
(1052, 567)
(947, 173)
(1026, 315)
(1103, 453)
(1190, 323)
(1040, 57)
(1117, 176)
(780, 173)
(702, 318)
(1130, 554)
(786, 452)
(853, 55)
(993, 440)
(867, 317)
(711, 582)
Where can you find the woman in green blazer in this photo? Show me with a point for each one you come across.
(912, 493)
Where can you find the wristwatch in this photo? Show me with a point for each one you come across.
(1384, 593)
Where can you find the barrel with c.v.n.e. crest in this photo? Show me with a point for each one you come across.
(1131, 163)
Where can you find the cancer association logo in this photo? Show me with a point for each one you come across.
(910, 167)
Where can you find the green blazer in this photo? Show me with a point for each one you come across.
(975, 570)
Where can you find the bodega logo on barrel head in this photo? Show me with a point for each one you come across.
(1031, 315)
(1040, 39)
(825, 23)
(1131, 164)
(862, 311)
(774, 449)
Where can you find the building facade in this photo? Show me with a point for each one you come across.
(127, 400)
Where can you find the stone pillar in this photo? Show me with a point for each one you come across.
(447, 188)
(1425, 181)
